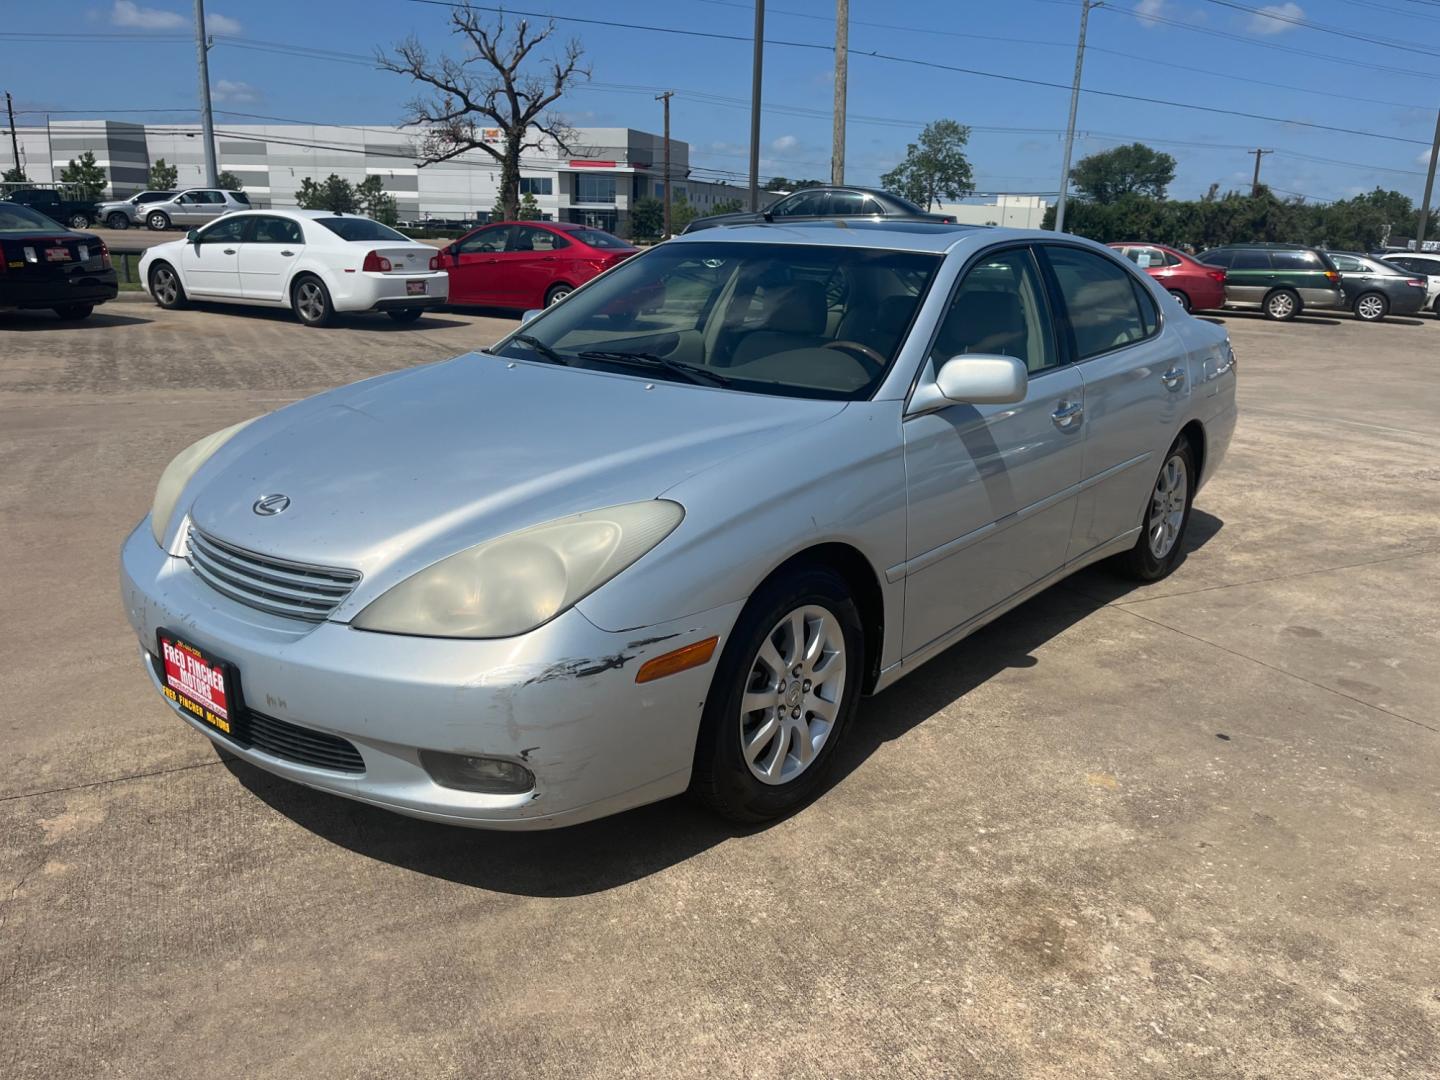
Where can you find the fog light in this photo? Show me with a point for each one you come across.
(491, 776)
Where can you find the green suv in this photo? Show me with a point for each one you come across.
(1281, 280)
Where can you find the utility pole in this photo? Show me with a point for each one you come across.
(842, 66)
(1085, 6)
(665, 97)
(1420, 226)
(207, 122)
(755, 81)
(1255, 183)
(15, 139)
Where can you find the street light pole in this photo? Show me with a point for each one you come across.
(1085, 6)
(755, 81)
(207, 121)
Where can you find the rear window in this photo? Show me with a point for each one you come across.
(1295, 260)
(240, 197)
(359, 228)
(597, 238)
(17, 218)
(1217, 258)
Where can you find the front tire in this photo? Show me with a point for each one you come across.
(557, 293)
(311, 301)
(159, 221)
(74, 312)
(783, 693)
(406, 315)
(78, 221)
(1371, 307)
(1167, 515)
(1182, 298)
(117, 221)
(1282, 305)
(165, 287)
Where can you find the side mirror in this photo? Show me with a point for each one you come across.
(980, 379)
(193, 236)
(530, 315)
(452, 250)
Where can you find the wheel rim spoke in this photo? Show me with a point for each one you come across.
(764, 734)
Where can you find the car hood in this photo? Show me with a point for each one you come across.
(391, 474)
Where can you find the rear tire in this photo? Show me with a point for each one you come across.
(1180, 296)
(117, 221)
(406, 315)
(1282, 305)
(804, 689)
(1166, 516)
(74, 312)
(78, 221)
(165, 287)
(1371, 307)
(310, 301)
(557, 293)
(158, 220)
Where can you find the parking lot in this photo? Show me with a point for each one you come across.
(1182, 830)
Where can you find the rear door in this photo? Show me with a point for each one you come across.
(272, 246)
(474, 266)
(211, 265)
(1136, 387)
(1249, 277)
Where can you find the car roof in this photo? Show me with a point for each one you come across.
(920, 236)
(1267, 245)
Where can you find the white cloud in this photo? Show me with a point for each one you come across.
(1423, 159)
(234, 92)
(216, 23)
(1261, 23)
(1149, 9)
(784, 144)
(129, 13)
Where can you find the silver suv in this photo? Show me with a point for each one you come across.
(194, 206)
(122, 213)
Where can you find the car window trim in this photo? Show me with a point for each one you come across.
(1130, 269)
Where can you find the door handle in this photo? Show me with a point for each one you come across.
(287, 254)
(1067, 416)
(1173, 378)
(229, 251)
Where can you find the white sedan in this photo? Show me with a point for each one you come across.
(315, 262)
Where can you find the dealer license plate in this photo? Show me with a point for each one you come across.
(415, 288)
(202, 685)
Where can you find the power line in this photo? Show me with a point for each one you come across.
(1280, 14)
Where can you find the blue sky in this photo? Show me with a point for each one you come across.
(1194, 51)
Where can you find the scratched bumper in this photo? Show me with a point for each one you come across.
(562, 699)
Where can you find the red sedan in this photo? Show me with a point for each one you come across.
(1198, 287)
(528, 264)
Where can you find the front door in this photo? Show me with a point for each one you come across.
(530, 264)
(474, 266)
(211, 265)
(1137, 384)
(992, 487)
(271, 248)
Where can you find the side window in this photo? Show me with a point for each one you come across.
(1300, 260)
(529, 238)
(1171, 259)
(999, 308)
(189, 198)
(872, 207)
(485, 240)
(225, 232)
(804, 204)
(1100, 300)
(1345, 263)
(273, 230)
(211, 198)
(1251, 259)
(847, 203)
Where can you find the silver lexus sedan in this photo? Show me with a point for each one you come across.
(667, 534)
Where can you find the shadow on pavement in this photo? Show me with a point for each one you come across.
(47, 320)
(375, 321)
(614, 851)
(1259, 316)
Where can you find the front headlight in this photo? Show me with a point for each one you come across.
(514, 583)
(178, 473)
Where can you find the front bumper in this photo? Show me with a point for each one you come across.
(562, 700)
(375, 291)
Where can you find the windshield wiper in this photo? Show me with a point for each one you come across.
(693, 372)
(539, 346)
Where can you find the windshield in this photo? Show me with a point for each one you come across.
(359, 228)
(598, 239)
(17, 218)
(800, 321)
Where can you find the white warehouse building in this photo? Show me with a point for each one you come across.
(596, 183)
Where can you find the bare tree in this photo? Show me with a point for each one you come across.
(489, 89)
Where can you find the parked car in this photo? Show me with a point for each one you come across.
(45, 265)
(314, 262)
(56, 205)
(122, 213)
(599, 563)
(1196, 286)
(1282, 280)
(827, 202)
(1423, 263)
(528, 264)
(1374, 288)
(194, 206)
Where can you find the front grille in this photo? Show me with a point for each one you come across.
(281, 587)
(289, 742)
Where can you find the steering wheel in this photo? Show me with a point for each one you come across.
(865, 353)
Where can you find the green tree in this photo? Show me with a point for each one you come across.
(647, 218)
(332, 193)
(372, 199)
(780, 183)
(163, 176)
(495, 99)
(529, 208)
(681, 214)
(934, 168)
(15, 175)
(729, 206)
(88, 178)
(1126, 170)
(228, 181)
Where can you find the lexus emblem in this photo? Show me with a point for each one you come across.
(270, 505)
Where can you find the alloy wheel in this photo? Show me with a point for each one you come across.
(793, 694)
(166, 286)
(556, 296)
(1167, 506)
(310, 299)
(1370, 307)
(1281, 305)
